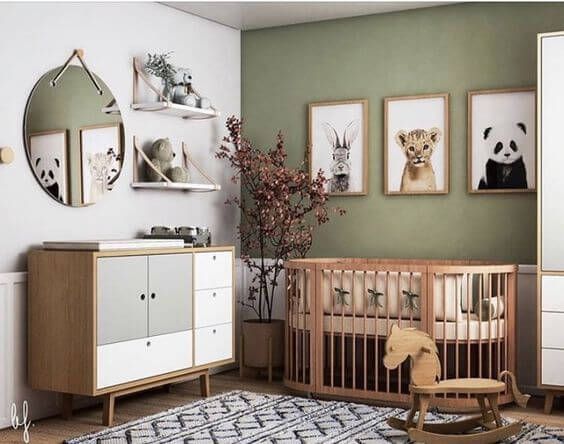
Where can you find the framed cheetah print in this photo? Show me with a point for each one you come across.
(501, 141)
(416, 144)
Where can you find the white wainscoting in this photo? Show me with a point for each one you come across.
(13, 387)
(13, 349)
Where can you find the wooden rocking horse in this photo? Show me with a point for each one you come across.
(425, 376)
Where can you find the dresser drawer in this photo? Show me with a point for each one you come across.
(127, 361)
(213, 270)
(552, 336)
(552, 365)
(213, 344)
(213, 307)
(552, 293)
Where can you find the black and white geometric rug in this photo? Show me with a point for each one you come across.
(245, 417)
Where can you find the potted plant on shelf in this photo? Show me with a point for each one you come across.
(159, 66)
(280, 206)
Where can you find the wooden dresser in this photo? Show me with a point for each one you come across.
(112, 323)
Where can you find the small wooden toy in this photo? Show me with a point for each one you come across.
(425, 383)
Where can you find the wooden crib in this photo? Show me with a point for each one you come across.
(340, 311)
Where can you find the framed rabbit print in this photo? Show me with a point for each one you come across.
(338, 145)
(416, 144)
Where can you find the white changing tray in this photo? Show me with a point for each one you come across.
(114, 244)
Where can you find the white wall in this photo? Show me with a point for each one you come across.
(37, 37)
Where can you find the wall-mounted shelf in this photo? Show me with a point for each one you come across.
(175, 109)
(166, 183)
(176, 186)
(163, 105)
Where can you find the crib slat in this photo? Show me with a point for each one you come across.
(468, 342)
(505, 292)
(498, 351)
(387, 327)
(342, 339)
(364, 357)
(480, 327)
(304, 327)
(353, 332)
(456, 340)
(332, 303)
(399, 307)
(490, 329)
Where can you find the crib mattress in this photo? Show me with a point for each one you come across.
(473, 330)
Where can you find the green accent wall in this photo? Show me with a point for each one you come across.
(452, 49)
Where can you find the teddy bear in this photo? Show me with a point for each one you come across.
(161, 156)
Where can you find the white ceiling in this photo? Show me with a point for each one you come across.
(255, 15)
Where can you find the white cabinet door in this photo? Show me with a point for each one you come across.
(170, 293)
(552, 293)
(121, 298)
(142, 358)
(213, 344)
(552, 153)
(213, 307)
(213, 270)
(552, 365)
(552, 324)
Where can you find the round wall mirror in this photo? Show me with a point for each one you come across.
(73, 137)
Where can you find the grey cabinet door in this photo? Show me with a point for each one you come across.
(170, 293)
(122, 298)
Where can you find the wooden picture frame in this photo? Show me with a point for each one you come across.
(86, 197)
(406, 121)
(340, 113)
(528, 154)
(62, 158)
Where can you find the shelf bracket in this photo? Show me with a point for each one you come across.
(186, 161)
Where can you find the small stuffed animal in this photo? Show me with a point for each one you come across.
(161, 156)
(178, 174)
(183, 92)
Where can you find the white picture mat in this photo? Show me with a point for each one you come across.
(502, 108)
(410, 114)
(96, 140)
(50, 146)
(339, 116)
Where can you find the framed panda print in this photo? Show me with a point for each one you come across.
(501, 141)
(416, 144)
(47, 151)
(338, 145)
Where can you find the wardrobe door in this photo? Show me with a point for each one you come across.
(552, 152)
(121, 298)
(170, 293)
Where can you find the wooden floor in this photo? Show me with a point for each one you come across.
(55, 430)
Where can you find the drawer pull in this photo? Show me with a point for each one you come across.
(143, 297)
(214, 257)
(148, 343)
(153, 295)
(214, 294)
(214, 331)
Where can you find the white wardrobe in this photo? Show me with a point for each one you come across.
(550, 114)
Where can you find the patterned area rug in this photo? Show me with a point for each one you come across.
(245, 417)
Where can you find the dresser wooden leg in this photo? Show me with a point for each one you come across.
(548, 400)
(205, 384)
(108, 414)
(66, 406)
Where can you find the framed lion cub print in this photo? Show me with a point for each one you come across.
(416, 144)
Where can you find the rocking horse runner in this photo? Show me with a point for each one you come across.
(425, 376)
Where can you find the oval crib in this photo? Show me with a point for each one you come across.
(340, 311)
